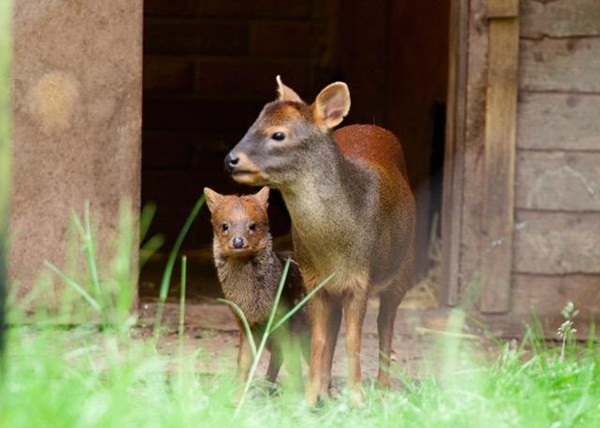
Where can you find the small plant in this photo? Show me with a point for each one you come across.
(566, 331)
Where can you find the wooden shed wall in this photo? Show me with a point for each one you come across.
(557, 201)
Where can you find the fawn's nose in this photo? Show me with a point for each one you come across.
(231, 161)
(237, 242)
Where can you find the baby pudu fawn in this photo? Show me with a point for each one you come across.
(352, 211)
(249, 272)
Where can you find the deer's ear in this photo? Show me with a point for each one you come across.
(286, 93)
(213, 199)
(332, 105)
(262, 197)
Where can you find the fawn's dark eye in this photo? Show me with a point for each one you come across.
(252, 227)
(224, 227)
(278, 136)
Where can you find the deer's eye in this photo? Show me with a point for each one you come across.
(252, 227)
(224, 227)
(278, 136)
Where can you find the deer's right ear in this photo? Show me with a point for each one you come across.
(332, 105)
(263, 197)
(212, 198)
(286, 93)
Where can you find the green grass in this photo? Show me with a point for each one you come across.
(105, 374)
(89, 378)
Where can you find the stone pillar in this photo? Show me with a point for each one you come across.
(76, 82)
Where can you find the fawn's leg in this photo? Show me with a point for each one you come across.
(354, 315)
(388, 307)
(275, 360)
(325, 324)
(244, 359)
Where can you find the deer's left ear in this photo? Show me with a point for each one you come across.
(262, 197)
(286, 93)
(213, 199)
(332, 105)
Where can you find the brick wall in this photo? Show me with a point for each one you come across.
(209, 67)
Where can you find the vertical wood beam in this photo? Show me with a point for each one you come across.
(499, 173)
(454, 152)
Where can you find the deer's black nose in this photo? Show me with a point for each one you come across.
(231, 161)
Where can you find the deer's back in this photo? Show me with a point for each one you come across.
(374, 145)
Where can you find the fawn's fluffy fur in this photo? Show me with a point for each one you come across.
(249, 272)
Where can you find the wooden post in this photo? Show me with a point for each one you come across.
(499, 173)
(454, 152)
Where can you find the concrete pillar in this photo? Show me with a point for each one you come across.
(76, 82)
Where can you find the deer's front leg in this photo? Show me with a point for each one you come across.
(325, 323)
(354, 314)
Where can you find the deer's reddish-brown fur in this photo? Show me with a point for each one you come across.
(249, 272)
(352, 212)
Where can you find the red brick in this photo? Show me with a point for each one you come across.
(196, 38)
(283, 39)
(256, 8)
(250, 78)
(165, 73)
(170, 7)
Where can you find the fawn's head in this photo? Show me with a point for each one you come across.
(240, 223)
(285, 138)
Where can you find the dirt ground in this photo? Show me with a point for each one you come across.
(420, 342)
(211, 331)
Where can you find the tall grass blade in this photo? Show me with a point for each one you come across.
(73, 284)
(242, 317)
(90, 250)
(265, 337)
(301, 303)
(182, 299)
(146, 218)
(5, 157)
(166, 279)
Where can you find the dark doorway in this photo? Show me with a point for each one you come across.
(209, 67)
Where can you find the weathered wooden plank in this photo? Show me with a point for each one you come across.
(500, 135)
(547, 295)
(559, 121)
(557, 243)
(502, 8)
(558, 181)
(474, 139)
(454, 151)
(560, 18)
(560, 64)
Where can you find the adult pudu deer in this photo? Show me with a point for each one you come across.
(352, 212)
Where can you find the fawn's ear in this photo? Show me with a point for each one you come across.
(332, 105)
(213, 199)
(286, 93)
(262, 197)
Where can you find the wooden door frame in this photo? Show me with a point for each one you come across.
(452, 199)
(492, 242)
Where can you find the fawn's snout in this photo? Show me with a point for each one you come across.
(238, 242)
